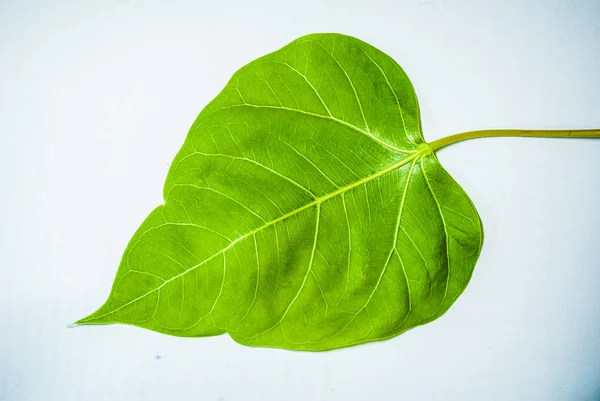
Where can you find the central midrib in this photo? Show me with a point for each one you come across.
(422, 151)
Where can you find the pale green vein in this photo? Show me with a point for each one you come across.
(394, 248)
(437, 202)
(393, 91)
(392, 167)
(362, 112)
(169, 223)
(308, 113)
(308, 271)
(349, 247)
(307, 81)
(222, 194)
(257, 282)
(310, 162)
(260, 165)
(383, 270)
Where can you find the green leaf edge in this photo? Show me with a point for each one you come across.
(424, 151)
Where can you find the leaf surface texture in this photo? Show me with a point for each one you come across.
(304, 211)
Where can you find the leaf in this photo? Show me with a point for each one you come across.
(304, 211)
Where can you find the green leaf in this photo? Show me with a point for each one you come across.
(304, 211)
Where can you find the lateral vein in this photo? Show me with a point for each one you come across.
(413, 157)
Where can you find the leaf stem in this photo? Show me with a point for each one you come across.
(584, 133)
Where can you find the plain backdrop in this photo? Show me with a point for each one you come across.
(96, 97)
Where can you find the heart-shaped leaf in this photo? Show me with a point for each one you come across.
(304, 211)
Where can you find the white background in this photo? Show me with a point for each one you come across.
(96, 98)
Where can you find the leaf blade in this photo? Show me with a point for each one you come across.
(279, 157)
